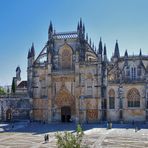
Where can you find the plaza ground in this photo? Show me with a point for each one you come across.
(31, 135)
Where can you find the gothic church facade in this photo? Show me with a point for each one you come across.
(71, 80)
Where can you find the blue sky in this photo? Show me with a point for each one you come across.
(25, 21)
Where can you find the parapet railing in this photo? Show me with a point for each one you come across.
(13, 95)
(128, 80)
(65, 35)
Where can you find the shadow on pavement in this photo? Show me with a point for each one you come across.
(41, 128)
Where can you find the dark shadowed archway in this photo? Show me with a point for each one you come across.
(65, 114)
(8, 115)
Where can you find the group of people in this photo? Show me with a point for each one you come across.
(46, 138)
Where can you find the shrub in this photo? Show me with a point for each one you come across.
(70, 140)
(2, 91)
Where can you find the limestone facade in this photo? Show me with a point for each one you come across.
(70, 80)
(14, 108)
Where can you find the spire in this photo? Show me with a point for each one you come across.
(29, 54)
(18, 69)
(83, 28)
(78, 27)
(90, 41)
(81, 31)
(116, 52)
(105, 53)
(95, 49)
(126, 54)
(50, 30)
(140, 53)
(87, 37)
(32, 50)
(80, 23)
(100, 47)
(105, 49)
(93, 45)
(18, 73)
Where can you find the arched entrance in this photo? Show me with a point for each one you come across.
(65, 114)
(8, 115)
(65, 102)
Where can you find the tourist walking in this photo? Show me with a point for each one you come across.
(45, 138)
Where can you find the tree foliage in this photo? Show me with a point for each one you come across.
(70, 140)
(2, 91)
(13, 87)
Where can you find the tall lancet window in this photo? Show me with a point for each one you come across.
(133, 73)
(139, 71)
(89, 83)
(127, 72)
(111, 99)
(133, 98)
(65, 57)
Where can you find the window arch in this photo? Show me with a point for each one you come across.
(65, 54)
(133, 73)
(111, 99)
(133, 98)
(127, 71)
(139, 71)
(89, 83)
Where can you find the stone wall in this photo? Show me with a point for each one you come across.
(14, 108)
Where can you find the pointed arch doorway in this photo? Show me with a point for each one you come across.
(65, 102)
(65, 114)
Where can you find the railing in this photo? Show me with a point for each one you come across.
(63, 71)
(89, 63)
(128, 80)
(14, 96)
(65, 35)
(144, 57)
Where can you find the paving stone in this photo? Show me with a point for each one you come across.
(95, 136)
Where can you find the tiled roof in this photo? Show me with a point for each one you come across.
(22, 84)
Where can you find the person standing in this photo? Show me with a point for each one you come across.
(47, 137)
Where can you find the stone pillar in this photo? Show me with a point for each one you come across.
(77, 92)
(99, 74)
(49, 92)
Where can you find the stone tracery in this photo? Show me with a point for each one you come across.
(65, 53)
(133, 97)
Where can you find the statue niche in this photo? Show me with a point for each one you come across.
(65, 57)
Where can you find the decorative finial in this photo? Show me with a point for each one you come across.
(126, 54)
(116, 51)
(104, 49)
(100, 48)
(87, 37)
(140, 54)
(90, 41)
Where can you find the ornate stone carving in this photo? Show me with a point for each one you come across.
(92, 114)
(64, 79)
(64, 98)
(65, 56)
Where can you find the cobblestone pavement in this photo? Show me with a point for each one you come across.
(95, 136)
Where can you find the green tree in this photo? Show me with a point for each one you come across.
(13, 87)
(70, 140)
(2, 91)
